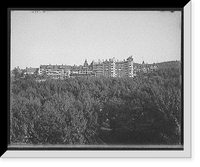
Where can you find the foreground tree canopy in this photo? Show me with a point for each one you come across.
(141, 110)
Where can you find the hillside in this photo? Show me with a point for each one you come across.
(96, 110)
(169, 64)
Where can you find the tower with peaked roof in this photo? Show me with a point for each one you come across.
(85, 63)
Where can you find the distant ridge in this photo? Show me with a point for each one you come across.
(169, 64)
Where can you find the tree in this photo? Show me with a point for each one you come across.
(16, 73)
(73, 111)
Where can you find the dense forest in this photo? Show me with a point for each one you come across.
(146, 109)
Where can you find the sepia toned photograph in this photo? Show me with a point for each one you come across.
(96, 80)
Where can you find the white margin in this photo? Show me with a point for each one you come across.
(186, 153)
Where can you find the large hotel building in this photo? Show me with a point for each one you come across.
(107, 68)
(113, 68)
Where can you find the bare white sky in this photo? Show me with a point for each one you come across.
(70, 37)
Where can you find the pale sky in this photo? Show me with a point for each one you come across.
(70, 37)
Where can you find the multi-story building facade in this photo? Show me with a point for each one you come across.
(144, 68)
(55, 71)
(113, 68)
(98, 68)
(120, 68)
(125, 68)
(107, 68)
(85, 70)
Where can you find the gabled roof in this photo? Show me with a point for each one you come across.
(85, 63)
(130, 58)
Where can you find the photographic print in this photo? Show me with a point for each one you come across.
(96, 80)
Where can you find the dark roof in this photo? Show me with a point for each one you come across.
(130, 58)
(136, 64)
(66, 67)
(31, 69)
(78, 68)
